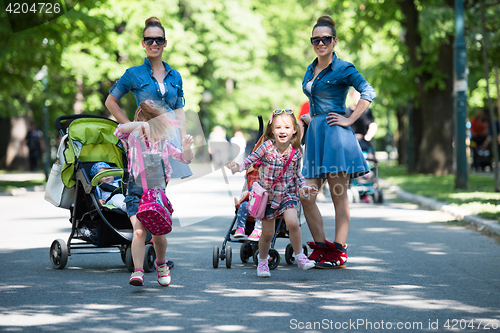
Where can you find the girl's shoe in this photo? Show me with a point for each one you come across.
(304, 263)
(137, 279)
(335, 257)
(163, 274)
(263, 269)
(239, 233)
(255, 235)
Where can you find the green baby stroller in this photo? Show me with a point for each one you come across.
(88, 139)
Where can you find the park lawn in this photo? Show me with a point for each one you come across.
(480, 198)
(11, 185)
(7, 185)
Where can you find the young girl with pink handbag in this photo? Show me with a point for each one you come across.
(150, 129)
(281, 178)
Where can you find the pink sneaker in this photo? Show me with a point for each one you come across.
(163, 273)
(137, 279)
(239, 233)
(255, 235)
(263, 269)
(304, 263)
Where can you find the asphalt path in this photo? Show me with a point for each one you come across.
(407, 271)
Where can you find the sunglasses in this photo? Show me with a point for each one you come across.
(151, 40)
(327, 40)
(281, 111)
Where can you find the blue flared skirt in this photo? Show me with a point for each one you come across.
(179, 169)
(331, 149)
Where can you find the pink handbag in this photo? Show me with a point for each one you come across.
(257, 201)
(155, 210)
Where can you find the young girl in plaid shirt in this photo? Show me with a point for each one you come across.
(281, 140)
(152, 126)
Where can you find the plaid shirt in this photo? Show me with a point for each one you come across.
(287, 188)
(169, 149)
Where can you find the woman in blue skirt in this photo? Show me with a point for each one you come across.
(332, 152)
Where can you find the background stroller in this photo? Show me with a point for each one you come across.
(90, 139)
(366, 185)
(250, 249)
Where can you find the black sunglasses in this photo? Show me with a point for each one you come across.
(327, 40)
(150, 40)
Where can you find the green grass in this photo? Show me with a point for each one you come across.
(10, 185)
(480, 198)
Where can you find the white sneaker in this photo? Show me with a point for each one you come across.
(163, 273)
(304, 263)
(263, 269)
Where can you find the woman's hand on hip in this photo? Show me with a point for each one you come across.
(337, 119)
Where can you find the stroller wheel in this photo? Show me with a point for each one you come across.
(215, 258)
(123, 251)
(129, 262)
(256, 257)
(59, 254)
(149, 258)
(274, 258)
(378, 195)
(229, 256)
(245, 252)
(255, 248)
(290, 260)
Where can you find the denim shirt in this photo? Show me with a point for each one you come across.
(144, 86)
(329, 89)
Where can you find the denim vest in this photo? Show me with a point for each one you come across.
(144, 86)
(329, 89)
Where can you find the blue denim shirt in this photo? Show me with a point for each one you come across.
(144, 86)
(329, 89)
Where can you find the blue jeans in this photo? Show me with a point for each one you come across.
(242, 216)
(133, 197)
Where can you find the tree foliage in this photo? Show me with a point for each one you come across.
(251, 55)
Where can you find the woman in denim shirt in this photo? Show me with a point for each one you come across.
(154, 80)
(332, 151)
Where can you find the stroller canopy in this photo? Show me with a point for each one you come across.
(92, 140)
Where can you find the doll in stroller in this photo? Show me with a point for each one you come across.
(249, 245)
(89, 141)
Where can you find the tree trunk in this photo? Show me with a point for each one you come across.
(400, 137)
(435, 148)
(432, 116)
(79, 98)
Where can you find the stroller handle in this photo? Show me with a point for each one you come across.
(71, 117)
(261, 128)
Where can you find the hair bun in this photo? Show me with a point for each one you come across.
(326, 19)
(153, 21)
